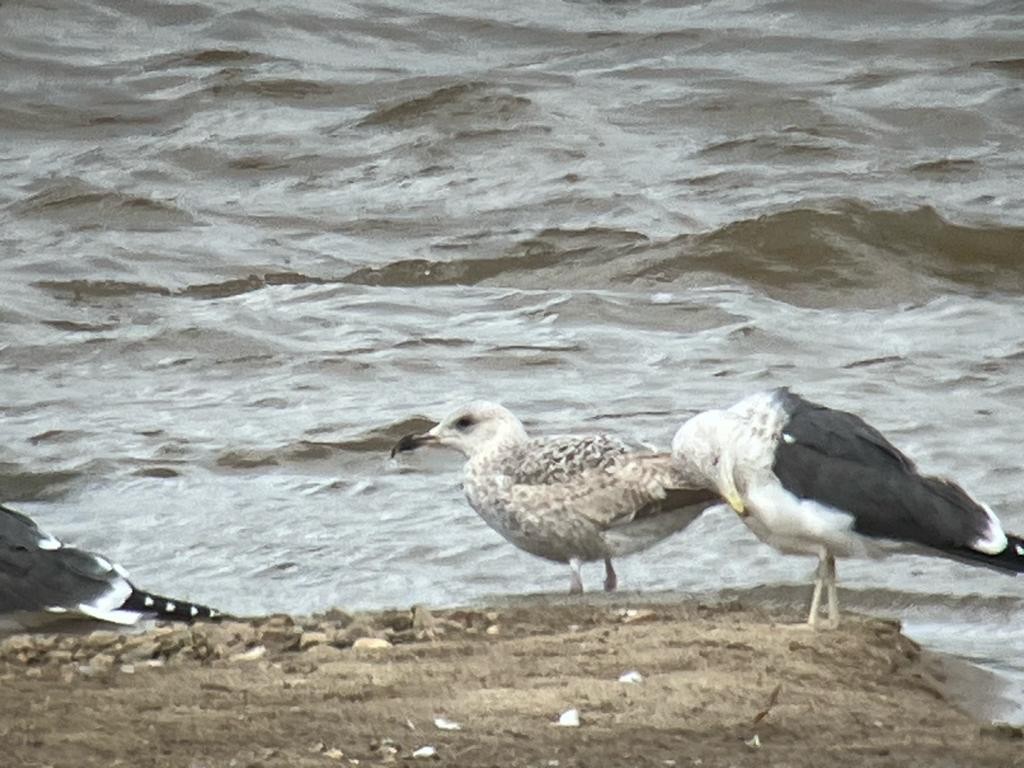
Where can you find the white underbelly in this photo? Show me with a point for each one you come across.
(801, 526)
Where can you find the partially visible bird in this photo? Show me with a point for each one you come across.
(808, 479)
(567, 499)
(42, 580)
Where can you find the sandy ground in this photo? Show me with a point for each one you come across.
(721, 685)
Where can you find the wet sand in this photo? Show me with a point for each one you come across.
(723, 684)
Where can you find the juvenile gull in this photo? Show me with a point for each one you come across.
(808, 479)
(567, 499)
(41, 579)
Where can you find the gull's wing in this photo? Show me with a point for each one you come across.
(837, 459)
(840, 435)
(553, 460)
(39, 574)
(634, 487)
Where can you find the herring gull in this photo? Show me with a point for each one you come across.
(808, 479)
(42, 580)
(567, 499)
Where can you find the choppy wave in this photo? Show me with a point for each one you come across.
(86, 206)
(846, 252)
(17, 483)
(847, 247)
(852, 246)
(475, 101)
(207, 57)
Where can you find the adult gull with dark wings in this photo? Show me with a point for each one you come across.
(808, 479)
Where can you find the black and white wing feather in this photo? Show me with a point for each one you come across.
(836, 458)
(39, 574)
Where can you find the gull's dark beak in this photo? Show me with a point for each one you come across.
(412, 442)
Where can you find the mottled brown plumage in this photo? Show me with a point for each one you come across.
(566, 499)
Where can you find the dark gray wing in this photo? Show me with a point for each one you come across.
(839, 434)
(39, 574)
(544, 461)
(836, 458)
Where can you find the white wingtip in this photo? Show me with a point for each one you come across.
(994, 539)
(114, 616)
(107, 607)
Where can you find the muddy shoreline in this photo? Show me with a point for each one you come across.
(659, 684)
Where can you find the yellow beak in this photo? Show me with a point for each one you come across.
(731, 493)
(736, 502)
(727, 486)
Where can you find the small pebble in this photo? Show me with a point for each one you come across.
(447, 725)
(423, 752)
(631, 677)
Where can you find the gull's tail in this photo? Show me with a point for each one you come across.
(1009, 560)
(158, 606)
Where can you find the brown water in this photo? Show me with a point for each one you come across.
(243, 247)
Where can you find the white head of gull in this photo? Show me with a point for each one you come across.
(808, 479)
(567, 499)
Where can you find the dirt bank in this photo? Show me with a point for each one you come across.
(719, 685)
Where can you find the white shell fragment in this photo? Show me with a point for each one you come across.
(570, 718)
(753, 743)
(447, 725)
(256, 652)
(424, 752)
(631, 677)
(370, 644)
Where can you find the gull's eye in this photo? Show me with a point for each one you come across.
(463, 423)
